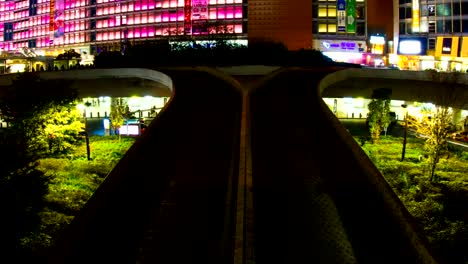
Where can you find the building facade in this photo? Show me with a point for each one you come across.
(432, 34)
(286, 21)
(48, 27)
(339, 29)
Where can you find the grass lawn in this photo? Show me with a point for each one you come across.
(440, 207)
(72, 180)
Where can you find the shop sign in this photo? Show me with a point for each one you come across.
(341, 15)
(351, 16)
(199, 9)
(447, 46)
(412, 46)
(377, 40)
(331, 45)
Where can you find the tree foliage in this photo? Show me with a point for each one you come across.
(42, 115)
(219, 52)
(379, 113)
(436, 123)
(35, 109)
(119, 112)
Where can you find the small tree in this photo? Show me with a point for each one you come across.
(436, 123)
(379, 113)
(119, 112)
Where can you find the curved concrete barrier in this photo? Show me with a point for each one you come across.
(421, 86)
(170, 199)
(307, 169)
(119, 82)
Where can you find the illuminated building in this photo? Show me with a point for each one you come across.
(432, 34)
(48, 27)
(339, 29)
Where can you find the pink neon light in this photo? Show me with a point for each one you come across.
(165, 17)
(173, 17)
(229, 12)
(212, 2)
(165, 4)
(238, 28)
(144, 19)
(158, 18)
(238, 12)
(212, 14)
(158, 4)
(137, 6)
(221, 13)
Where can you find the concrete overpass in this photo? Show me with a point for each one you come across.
(108, 82)
(246, 176)
(419, 86)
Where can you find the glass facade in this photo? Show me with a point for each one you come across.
(436, 17)
(61, 23)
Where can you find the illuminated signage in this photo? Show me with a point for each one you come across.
(188, 17)
(340, 45)
(447, 46)
(199, 9)
(412, 46)
(341, 15)
(378, 40)
(59, 26)
(415, 21)
(350, 16)
(51, 15)
(128, 130)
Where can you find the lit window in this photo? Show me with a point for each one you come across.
(322, 11)
(331, 11)
(212, 13)
(238, 28)
(322, 28)
(331, 27)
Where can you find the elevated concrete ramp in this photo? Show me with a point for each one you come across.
(122, 82)
(420, 86)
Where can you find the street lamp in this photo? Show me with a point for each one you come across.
(405, 132)
(83, 109)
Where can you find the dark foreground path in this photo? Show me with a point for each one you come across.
(315, 198)
(170, 199)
